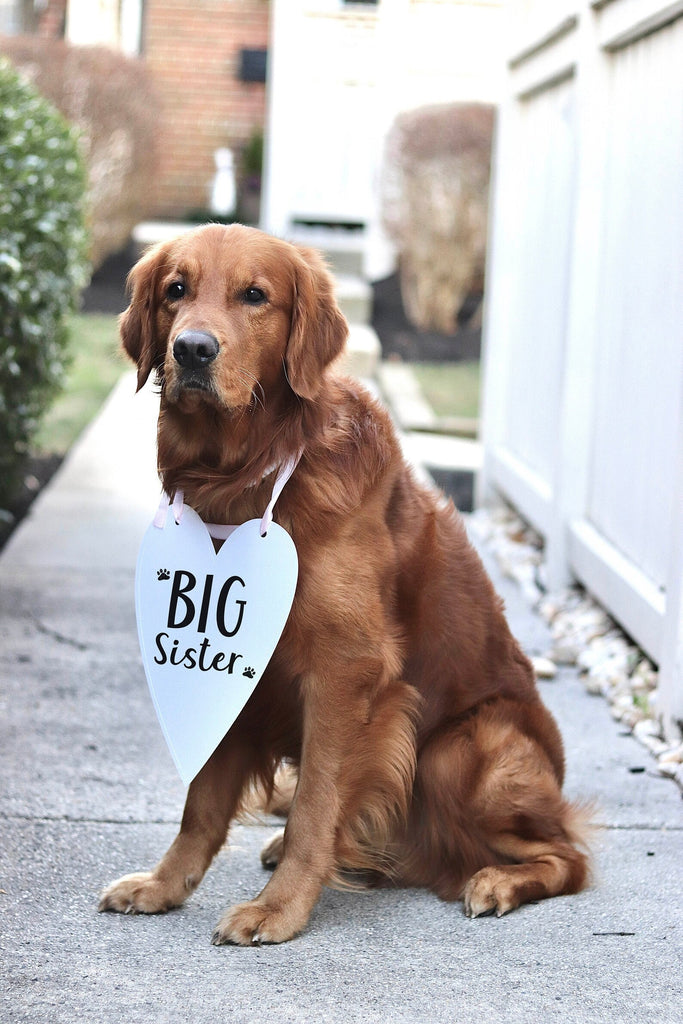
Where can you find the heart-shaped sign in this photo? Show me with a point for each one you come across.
(208, 625)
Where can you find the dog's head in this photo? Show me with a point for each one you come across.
(232, 317)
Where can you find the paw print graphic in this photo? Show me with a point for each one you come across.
(249, 673)
(163, 574)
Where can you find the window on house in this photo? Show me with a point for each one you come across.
(253, 65)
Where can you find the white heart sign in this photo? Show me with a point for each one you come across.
(208, 624)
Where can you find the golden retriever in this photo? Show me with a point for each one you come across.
(423, 754)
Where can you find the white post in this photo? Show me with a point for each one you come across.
(497, 296)
(130, 27)
(279, 159)
(582, 344)
(89, 23)
(671, 667)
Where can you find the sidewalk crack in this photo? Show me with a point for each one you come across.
(66, 819)
(56, 635)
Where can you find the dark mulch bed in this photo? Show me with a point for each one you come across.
(400, 340)
(38, 472)
(106, 292)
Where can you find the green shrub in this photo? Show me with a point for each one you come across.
(251, 158)
(43, 265)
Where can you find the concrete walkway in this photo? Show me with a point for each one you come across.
(89, 791)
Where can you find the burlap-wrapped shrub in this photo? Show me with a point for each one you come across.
(109, 97)
(434, 205)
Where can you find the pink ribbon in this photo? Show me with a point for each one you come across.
(218, 530)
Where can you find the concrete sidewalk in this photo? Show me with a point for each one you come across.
(89, 792)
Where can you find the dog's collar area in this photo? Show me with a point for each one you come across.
(220, 531)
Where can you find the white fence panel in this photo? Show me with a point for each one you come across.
(543, 185)
(583, 403)
(640, 364)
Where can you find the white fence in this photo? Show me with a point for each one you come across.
(583, 403)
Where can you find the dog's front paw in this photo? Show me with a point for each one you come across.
(139, 893)
(255, 923)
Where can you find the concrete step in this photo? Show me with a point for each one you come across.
(362, 354)
(354, 296)
(451, 462)
(343, 249)
(402, 391)
(150, 232)
(436, 451)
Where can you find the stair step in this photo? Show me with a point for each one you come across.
(354, 297)
(404, 395)
(150, 232)
(343, 249)
(362, 354)
(435, 451)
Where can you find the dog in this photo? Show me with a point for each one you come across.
(421, 751)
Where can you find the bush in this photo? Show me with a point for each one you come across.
(434, 207)
(249, 179)
(110, 99)
(43, 244)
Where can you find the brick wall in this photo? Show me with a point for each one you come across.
(193, 51)
(51, 19)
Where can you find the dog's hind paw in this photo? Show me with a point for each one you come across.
(271, 854)
(490, 891)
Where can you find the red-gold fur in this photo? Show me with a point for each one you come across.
(424, 754)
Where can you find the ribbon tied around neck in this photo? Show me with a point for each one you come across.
(209, 621)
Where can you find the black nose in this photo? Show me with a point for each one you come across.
(194, 349)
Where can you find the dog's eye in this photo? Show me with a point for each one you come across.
(254, 296)
(175, 291)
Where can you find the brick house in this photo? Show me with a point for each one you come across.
(205, 101)
(207, 59)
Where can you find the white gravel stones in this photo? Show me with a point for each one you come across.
(544, 668)
(583, 634)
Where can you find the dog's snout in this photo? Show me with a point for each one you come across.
(194, 350)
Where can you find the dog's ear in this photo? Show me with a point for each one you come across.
(318, 331)
(137, 325)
